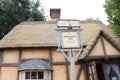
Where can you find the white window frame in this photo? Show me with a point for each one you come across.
(46, 75)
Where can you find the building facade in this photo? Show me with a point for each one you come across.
(29, 52)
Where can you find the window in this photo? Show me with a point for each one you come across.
(92, 75)
(35, 75)
(40, 75)
(27, 75)
(95, 71)
(113, 71)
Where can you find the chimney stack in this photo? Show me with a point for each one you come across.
(55, 14)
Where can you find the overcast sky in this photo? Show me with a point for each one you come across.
(77, 9)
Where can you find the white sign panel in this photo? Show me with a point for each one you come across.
(68, 23)
(70, 40)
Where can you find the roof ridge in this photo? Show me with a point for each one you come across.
(37, 22)
(54, 22)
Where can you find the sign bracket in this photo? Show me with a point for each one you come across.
(70, 40)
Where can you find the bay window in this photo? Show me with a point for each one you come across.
(35, 75)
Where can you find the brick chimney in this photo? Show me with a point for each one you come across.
(55, 14)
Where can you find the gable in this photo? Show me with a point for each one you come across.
(97, 49)
(110, 49)
(103, 48)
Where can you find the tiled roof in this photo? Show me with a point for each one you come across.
(43, 34)
(35, 65)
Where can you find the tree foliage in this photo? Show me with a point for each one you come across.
(13, 12)
(112, 8)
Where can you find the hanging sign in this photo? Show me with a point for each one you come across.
(70, 39)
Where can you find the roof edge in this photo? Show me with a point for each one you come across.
(113, 39)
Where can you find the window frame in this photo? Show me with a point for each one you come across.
(22, 75)
(92, 73)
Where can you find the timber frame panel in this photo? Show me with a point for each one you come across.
(1, 59)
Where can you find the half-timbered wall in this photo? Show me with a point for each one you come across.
(9, 73)
(57, 56)
(35, 53)
(98, 49)
(79, 72)
(103, 48)
(110, 50)
(59, 72)
(12, 58)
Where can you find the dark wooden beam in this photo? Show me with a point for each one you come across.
(9, 65)
(63, 63)
(20, 56)
(50, 60)
(1, 58)
(50, 56)
(107, 57)
(60, 63)
(79, 71)
(67, 68)
(20, 60)
(104, 71)
(85, 71)
(103, 45)
(23, 60)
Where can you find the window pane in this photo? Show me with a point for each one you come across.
(33, 75)
(40, 75)
(93, 69)
(27, 75)
(91, 77)
(114, 78)
(94, 77)
(90, 70)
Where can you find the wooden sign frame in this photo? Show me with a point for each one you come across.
(70, 39)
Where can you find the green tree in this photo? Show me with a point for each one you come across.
(13, 12)
(112, 8)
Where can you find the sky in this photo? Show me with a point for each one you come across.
(77, 9)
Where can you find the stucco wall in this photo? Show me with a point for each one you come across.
(57, 56)
(35, 53)
(10, 56)
(110, 50)
(59, 73)
(97, 50)
(77, 67)
(9, 73)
